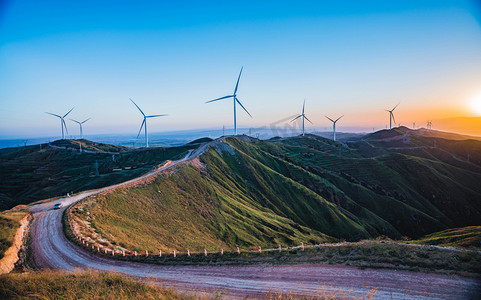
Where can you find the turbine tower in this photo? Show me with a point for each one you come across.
(62, 122)
(303, 115)
(144, 122)
(334, 125)
(234, 96)
(80, 123)
(391, 116)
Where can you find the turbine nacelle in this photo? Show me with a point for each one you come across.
(62, 121)
(303, 115)
(236, 100)
(144, 123)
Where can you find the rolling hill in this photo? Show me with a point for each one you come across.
(246, 192)
(37, 172)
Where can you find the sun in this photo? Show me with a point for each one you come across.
(476, 104)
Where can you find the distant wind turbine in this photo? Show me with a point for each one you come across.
(234, 96)
(80, 123)
(303, 115)
(144, 123)
(391, 116)
(62, 122)
(334, 125)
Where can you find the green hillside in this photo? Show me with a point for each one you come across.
(308, 189)
(465, 237)
(38, 172)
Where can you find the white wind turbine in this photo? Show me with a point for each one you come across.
(391, 116)
(144, 123)
(62, 122)
(234, 96)
(334, 125)
(80, 124)
(303, 115)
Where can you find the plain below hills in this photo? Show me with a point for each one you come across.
(246, 192)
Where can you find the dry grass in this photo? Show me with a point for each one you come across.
(9, 224)
(78, 285)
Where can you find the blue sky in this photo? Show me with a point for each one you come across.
(344, 57)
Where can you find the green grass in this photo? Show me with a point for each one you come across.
(292, 190)
(464, 237)
(9, 224)
(78, 285)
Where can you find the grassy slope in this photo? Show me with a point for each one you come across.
(466, 237)
(90, 285)
(30, 174)
(9, 223)
(414, 194)
(235, 201)
(291, 190)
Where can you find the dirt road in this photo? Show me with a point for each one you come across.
(52, 249)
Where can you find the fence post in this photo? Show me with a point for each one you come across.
(238, 250)
(113, 252)
(135, 253)
(174, 254)
(280, 248)
(260, 249)
(221, 251)
(146, 253)
(123, 252)
(302, 246)
(205, 252)
(160, 253)
(188, 252)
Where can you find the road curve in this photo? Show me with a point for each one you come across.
(51, 249)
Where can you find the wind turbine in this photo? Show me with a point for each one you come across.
(80, 123)
(391, 116)
(334, 125)
(62, 122)
(144, 122)
(234, 96)
(303, 117)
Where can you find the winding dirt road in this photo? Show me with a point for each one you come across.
(51, 249)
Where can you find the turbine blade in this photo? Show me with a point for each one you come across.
(68, 112)
(140, 130)
(339, 118)
(235, 99)
(154, 116)
(137, 107)
(85, 120)
(303, 105)
(53, 115)
(238, 78)
(65, 124)
(296, 118)
(329, 119)
(393, 118)
(395, 106)
(225, 97)
(75, 121)
(307, 119)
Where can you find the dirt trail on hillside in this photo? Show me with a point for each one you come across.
(51, 249)
(7, 263)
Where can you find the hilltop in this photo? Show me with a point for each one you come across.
(247, 192)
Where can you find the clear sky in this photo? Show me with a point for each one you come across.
(354, 58)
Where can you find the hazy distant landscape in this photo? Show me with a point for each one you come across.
(240, 150)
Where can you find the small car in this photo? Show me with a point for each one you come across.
(57, 206)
